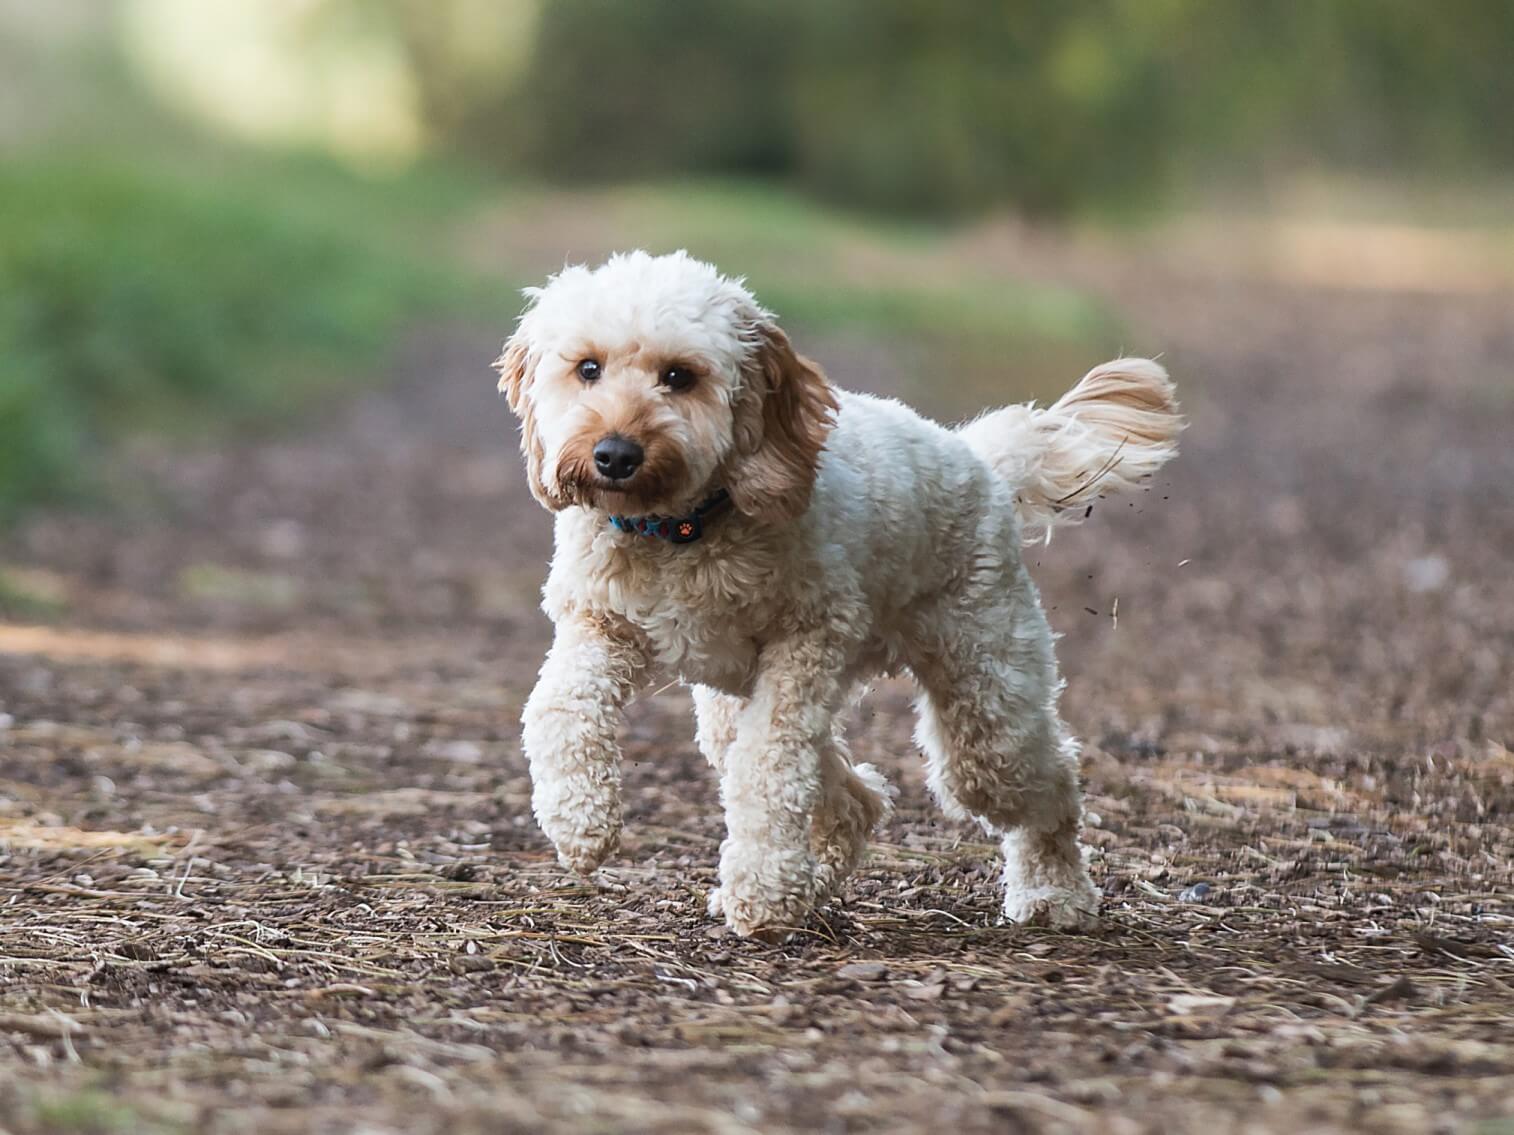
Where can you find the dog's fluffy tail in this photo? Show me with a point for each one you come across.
(1116, 427)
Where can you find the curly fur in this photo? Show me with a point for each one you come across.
(866, 539)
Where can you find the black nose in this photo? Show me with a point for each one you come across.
(617, 457)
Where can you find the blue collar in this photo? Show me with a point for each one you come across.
(674, 529)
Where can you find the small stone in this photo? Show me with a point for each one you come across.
(471, 963)
(1196, 893)
(1428, 573)
(459, 752)
(268, 760)
(863, 971)
(925, 992)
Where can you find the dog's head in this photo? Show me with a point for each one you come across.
(646, 384)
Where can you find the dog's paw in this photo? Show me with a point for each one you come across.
(583, 852)
(714, 903)
(581, 819)
(1055, 907)
(766, 894)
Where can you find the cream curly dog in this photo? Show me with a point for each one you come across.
(727, 517)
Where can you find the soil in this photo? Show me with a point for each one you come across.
(267, 862)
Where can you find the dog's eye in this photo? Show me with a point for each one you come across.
(676, 377)
(588, 370)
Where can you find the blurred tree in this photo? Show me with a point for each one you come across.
(961, 104)
(937, 106)
(465, 55)
(617, 90)
(1420, 82)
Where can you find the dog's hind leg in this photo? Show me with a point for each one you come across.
(853, 799)
(997, 751)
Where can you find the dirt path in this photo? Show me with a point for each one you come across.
(267, 861)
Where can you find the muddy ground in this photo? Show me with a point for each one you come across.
(267, 863)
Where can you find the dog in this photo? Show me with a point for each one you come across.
(727, 517)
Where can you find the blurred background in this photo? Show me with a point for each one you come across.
(214, 213)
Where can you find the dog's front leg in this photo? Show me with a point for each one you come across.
(771, 785)
(568, 735)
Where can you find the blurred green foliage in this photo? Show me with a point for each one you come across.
(132, 299)
(947, 106)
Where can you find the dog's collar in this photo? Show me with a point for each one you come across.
(675, 529)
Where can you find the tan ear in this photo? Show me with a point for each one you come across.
(515, 367)
(512, 364)
(783, 418)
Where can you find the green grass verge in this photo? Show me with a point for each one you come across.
(200, 295)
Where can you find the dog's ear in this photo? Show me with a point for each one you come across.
(517, 367)
(514, 365)
(783, 416)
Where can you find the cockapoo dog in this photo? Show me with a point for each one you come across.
(727, 517)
